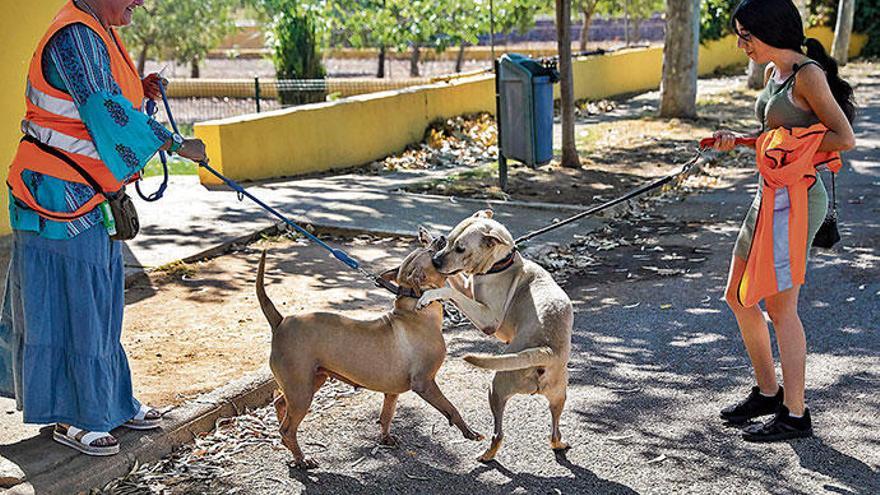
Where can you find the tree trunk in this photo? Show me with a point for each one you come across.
(842, 31)
(566, 82)
(626, 21)
(678, 87)
(459, 61)
(636, 26)
(756, 75)
(585, 28)
(142, 58)
(194, 68)
(414, 61)
(380, 72)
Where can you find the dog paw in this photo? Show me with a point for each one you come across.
(559, 445)
(389, 441)
(305, 464)
(487, 457)
(472, 435)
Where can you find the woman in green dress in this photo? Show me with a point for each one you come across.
(802, 88)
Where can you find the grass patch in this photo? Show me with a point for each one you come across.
(176, 166)
(177, 269)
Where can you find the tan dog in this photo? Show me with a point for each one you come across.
(396, 352)
(520, 303)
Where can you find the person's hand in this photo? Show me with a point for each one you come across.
(724, 140)
(151, 86)
(193, 149)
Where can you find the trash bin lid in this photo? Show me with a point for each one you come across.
(533, 67)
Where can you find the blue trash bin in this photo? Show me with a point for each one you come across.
(542, 86)
(526, 109)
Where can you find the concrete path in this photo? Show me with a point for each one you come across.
(191, 219)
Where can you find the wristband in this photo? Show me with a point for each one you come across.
(176, 143)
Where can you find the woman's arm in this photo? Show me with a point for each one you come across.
(124, 137)
(811, 87)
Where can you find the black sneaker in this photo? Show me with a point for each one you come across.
(781, 427)
(753, 406)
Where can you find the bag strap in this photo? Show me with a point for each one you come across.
(66, 159)
(833, 194)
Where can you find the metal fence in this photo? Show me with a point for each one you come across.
(195, 100)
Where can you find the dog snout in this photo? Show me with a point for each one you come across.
(437, 261)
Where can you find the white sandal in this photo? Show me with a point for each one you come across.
(140, 421)
(82, 440)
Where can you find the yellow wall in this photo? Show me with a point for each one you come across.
(21, 26)
(337, 134)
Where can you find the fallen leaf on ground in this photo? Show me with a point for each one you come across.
(622, 437)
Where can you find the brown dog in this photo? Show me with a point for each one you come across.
(520, 303)
(396, 352)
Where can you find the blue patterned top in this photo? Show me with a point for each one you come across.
(76, 61)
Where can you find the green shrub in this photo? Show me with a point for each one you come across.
(296, 51)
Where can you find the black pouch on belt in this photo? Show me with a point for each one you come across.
(121, 205)
(124, 214)
(828, 235)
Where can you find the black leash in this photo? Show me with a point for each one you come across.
(608, 204)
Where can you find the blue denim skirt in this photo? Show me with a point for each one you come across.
(60, 354)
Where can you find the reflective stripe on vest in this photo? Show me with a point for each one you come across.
(49, 103)
(60, 140)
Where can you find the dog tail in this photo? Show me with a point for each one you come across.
(527, 358)
(268, 308)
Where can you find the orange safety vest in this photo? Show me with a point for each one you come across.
(787, 160)
(53, 120)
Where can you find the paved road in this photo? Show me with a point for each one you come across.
(656, 355)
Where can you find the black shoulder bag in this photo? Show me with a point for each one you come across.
(828, 235)
(121, 205)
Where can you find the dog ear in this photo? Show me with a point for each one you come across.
(438, 243)
(492, 239)
(390, 275)
(483, 214)
(425, 237)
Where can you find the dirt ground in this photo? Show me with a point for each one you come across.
(616, 155)
(192, 328)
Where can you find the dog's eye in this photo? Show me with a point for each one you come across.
(459, 249)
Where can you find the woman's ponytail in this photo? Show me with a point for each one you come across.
(842, 91)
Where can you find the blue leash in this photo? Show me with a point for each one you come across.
(337, 253)
(151, 111)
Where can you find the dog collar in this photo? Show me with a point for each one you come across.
(408, 292)
(502, 265)
(396, 289)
